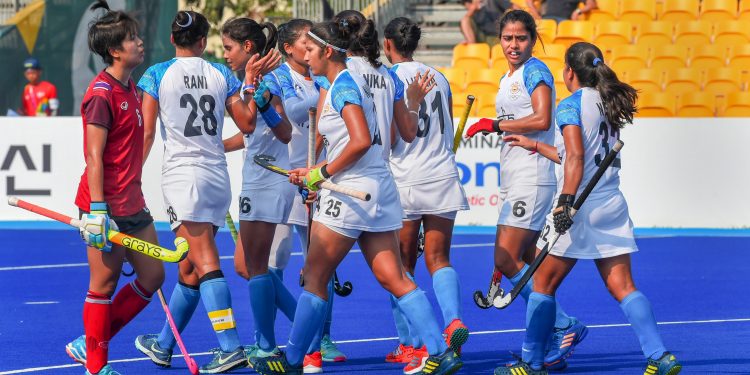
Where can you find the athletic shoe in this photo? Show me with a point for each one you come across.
(456, 334)
(666, 365)
(418, 359)
(149, 345)
(444, 364)
(76, 349)
(519, 368)
(330, 351)
(224, 361)
(313, 363)
(276, 365)
(563, 341)
(402, 354)
(106, 370)
(253, 352)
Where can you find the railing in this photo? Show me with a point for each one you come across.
(9, 8)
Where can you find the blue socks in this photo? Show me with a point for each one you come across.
(540, 318)
(418, 312)
(562, 320)
(402, 326)
(262, 292)
(218, 303)
(308, 320)
(182, 305)
(285, 301)
(448, 292)
(641, 317)
(329, 312)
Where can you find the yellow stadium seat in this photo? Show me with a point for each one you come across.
(744, 11)
(606, 10)
(646, 80)
(680, 10)
(656, 104)
(731, 33)
(484, 102)
(722, 81)
(613, 33)
(629, 57)
(482, 80)
(718, 10)
(471, 56)
(669, 57)
(684, 80)
(497, 57)
(547, 30)
(455, 77)
(709, 56)
(637, 12)
(550, 52)
(569, 32)
(696, 104)
(693, 33)
(739, 57)
(738, 105)
(656, 33)
(555, 67)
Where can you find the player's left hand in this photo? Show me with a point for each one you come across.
(314, 177)
(485, 126)
(562, 215)
(96, 225)
(262, 95)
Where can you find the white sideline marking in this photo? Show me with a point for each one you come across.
(41, 303)
(619, 325)
(225, 257)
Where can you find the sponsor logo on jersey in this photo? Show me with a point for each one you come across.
(515, 90)
(124, 106)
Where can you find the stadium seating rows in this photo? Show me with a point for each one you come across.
(687, 57)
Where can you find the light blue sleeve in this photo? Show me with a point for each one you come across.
(286, 85)
(397, 84)
(536, 72)
(345, 91)
(321, 82)
(151, 79)
(569, 111)
(233, 84)
(273, 81)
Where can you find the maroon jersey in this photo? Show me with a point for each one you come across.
(110, 104)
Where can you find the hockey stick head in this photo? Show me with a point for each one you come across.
(181, 247)
(266, 161)
(481, 302)
(502, 301)
(343, 290)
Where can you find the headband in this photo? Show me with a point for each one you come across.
(189, 21)
(325, 44)
(597, 61)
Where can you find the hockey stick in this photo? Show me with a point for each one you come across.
(485, 301)
(502, 302)
(456, 142)
(132, 243)
(265, 162)
(192, 366)
(232, 227)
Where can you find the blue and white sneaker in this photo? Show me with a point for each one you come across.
(330, 351)
(223, 361)
(149, 345)
(76, 349)
(277, 365)
(106, 370)
(666, 365)
(562, 343)
(254, 352)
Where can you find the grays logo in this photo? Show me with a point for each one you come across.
(22, 154)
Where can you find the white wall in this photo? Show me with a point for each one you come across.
(676, 172)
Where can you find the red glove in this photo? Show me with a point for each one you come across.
(486, 126)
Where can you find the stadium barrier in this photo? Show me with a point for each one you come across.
(676, 173)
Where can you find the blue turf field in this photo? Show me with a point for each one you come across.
(697, 284)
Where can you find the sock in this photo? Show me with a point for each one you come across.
(285, 301)
(182, 305)
(562, 320)
(540, 319)
(448, 292)
(307, 321)
(315, 343)
(329, 309)
(418, 311)
(262, 292)
(638, 310)
(416, 340)
(402, 326)
(218, 303)
(96, 324)
(128, 302)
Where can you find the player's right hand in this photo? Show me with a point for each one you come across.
(95, 225)
(485, 126)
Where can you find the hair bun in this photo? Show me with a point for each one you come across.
(100, 4)
(187, 19)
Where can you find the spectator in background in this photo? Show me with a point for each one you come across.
(561, 10)
(479, 24)
(39, 97)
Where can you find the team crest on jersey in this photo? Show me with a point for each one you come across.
(124, 106)
(327, 109)
(515, 90)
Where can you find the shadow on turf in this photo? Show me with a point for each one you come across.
(486, 362)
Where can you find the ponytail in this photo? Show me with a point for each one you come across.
(618, 97)
(241, 29)
(404, 34)
(271, 38)
(362, 33)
